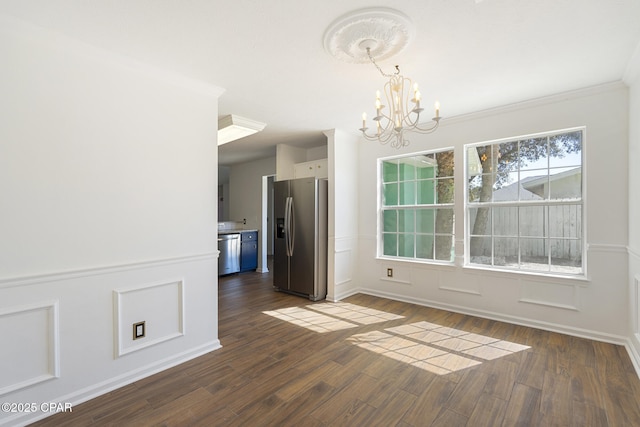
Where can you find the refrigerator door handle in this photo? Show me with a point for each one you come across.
(287, 225)
(292, 227)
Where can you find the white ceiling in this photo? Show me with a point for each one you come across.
(268, 54)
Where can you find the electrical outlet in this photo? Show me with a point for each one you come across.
(389, 272)
(138, 330)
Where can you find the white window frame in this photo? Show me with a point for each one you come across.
(380, 221)
(546, 202)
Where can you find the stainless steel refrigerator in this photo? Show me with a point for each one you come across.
(300, 243)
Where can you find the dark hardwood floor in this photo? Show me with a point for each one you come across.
(370, 361)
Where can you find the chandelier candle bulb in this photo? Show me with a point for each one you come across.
(364, 120)
(437, 107)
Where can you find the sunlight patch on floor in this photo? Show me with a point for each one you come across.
(309, 319)
(354, 313)
(327, 317)
(434, 348)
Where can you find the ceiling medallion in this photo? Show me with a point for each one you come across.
(388, 29)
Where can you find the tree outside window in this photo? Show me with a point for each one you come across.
(524, 206)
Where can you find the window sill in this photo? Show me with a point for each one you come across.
(430, 263)
(584, 280)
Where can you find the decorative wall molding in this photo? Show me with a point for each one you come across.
(564, 296)
(536, 102)
(50, 348)
(605, 247)
(548, 304)
(131, 305)
(460, 290)
(96, 271)
(398, 281)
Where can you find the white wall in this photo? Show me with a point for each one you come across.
(108, 185)
(633, 80)
(317, 153)
(286, 157)
(597, 307)
(245, 190)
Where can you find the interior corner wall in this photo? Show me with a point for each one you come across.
(594, 308)
(634, 214)
(108, 177)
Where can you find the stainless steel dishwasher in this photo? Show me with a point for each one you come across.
(229, 258)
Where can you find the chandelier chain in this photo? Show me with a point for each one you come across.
(373, 61)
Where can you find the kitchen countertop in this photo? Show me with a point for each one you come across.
(236, 231)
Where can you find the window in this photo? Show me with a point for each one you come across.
(416, 199)
(524, 207)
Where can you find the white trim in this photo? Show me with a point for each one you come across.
(52, 307)
(604, 247)
(380, 208)
(515, 320)
(535, 102)
(95, 271)
(635, 306)
(400, 282)
(633, 252)
(460, 290)
(118, 294)
(633, 354)
(523, 273)
(582, 202)
(548, 304)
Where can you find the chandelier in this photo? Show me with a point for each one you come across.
(403, 99)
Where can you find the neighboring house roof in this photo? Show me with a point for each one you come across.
(510, 193)
(537, 184)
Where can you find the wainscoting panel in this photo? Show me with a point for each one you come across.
(344, 266)
(549, 294)
(159, 306)
(454, 281)
(30, 345)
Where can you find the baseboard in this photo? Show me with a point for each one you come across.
(552, 327)
(104, 387)
(633, 355)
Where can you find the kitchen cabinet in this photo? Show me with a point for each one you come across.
(312, 169)
(248, 250)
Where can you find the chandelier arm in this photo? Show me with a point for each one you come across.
(429, 129)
